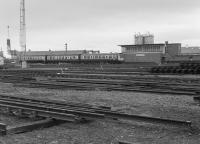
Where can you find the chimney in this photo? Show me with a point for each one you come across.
(66, 47)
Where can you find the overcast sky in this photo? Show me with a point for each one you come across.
(100, 24)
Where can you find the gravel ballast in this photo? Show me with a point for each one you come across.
(178, 107)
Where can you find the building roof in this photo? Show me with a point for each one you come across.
(158, 44)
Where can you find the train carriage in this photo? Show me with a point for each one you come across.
(33, 58)
(65, 58)
(101, 58)
(56, 57)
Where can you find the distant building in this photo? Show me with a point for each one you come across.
(153, 53)
(190, 50)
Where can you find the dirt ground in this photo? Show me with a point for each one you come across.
(178, 107)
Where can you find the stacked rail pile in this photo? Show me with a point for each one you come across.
(183, 68)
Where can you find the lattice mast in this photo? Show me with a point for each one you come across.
(22, 27)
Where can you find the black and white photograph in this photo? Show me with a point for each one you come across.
(99, 71)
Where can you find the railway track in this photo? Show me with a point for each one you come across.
(110, 82)
(72, 112)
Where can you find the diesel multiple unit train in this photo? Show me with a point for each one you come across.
(74, 58)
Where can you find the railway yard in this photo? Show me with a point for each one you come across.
(97, 106)
(90, 92)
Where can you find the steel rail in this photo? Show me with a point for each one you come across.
(79, 108)
(57, 110)
(100, 113)
(55, 103)
(41, 113)
(144, 118)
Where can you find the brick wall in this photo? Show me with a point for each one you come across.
(143, 57)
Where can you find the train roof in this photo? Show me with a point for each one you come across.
(99, 53)
(43, 53)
